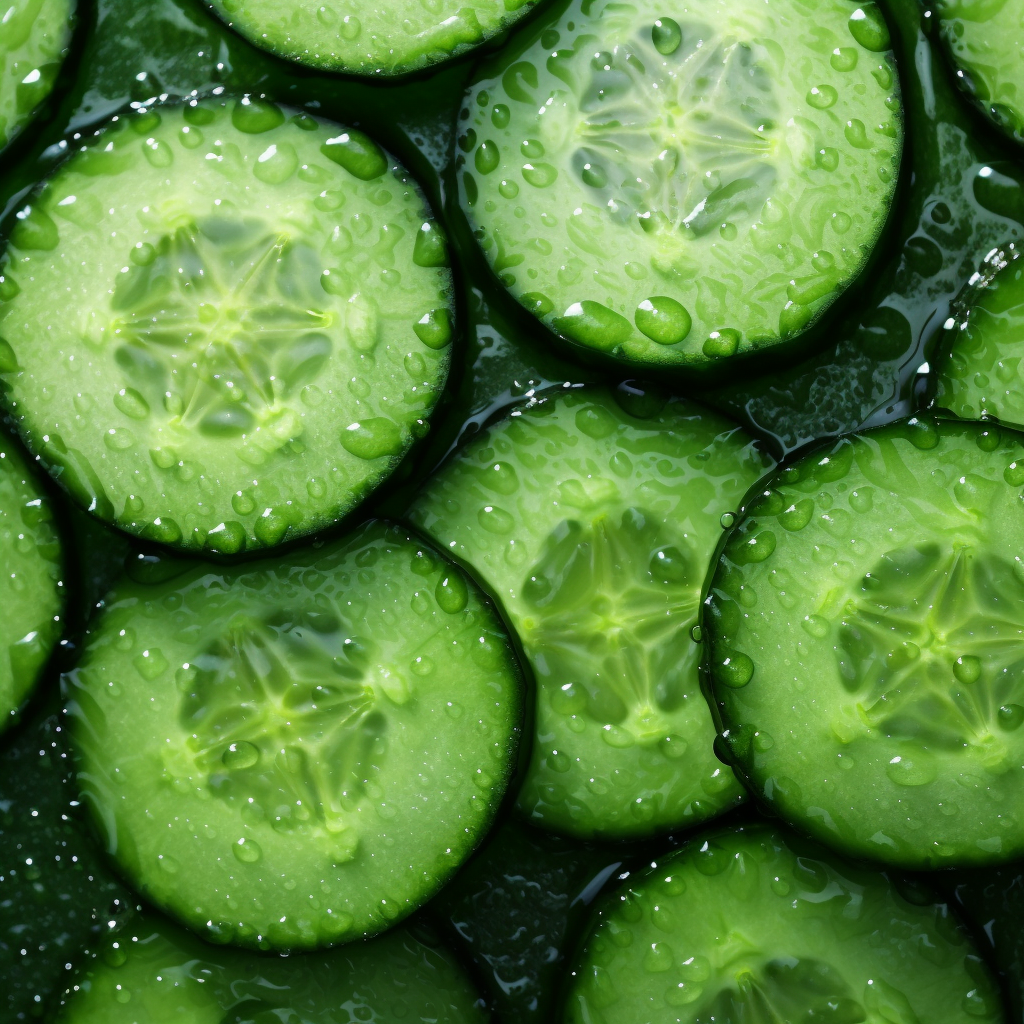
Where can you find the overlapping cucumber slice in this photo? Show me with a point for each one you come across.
(299, 752)
(677, 187)
(750, 925)
(224, 323)
(370, 37)
(34, 40)
(594, 527)
(31, 583)
(864, 644)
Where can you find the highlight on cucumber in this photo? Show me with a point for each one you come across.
(370, 38)
(864, 644)
(35, 36)
(299, 752)
(677, 188)
(751, 924)
(224, 322)
(592, 515)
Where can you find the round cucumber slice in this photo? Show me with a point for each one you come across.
(979, 373)
(865, 644)
(224, 323)
(677, 190)
(370, 38)
(750, 925)
(986, 41)
(298, 753)
(31, 585)
(34, 40)
(594, 527)
(157, 973)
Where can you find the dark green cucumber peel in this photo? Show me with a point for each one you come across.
(262, 324)
(296, 752)
(863, 630)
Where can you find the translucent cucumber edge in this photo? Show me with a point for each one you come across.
(342, 515)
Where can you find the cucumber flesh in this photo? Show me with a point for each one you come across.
(34, 40)
(749, 925)
(593, 527)
(31, 585)
(297, 753)
(884, 568)
(154, 972)
(247, 317)
(371, 38)
(678, 190)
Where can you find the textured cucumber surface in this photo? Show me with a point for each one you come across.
(751, 925)
(594, 527)
(986, 40)
(865, 644)
(31, 584)
(372, 38)
(224, 323)
(676, 190)
(301, 752)
(34, 39)
(155, 973)
(980, 373)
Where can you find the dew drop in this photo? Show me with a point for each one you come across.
(495, 520)
(923, 433)
(734, 669)
(663, 320)
(844, 58)
(696, 634)
(658, 958)
(857, 134)
(487, 157)
(908, 769)
(372, 438)
(241, 755)
(451, 593)
(841, 222)
(434, 329)
(167, 864)
(150, 663)
(666, 36)
(1011, 716)
(967, 669)
(540, 175)
(821, 97)
(276, 164)
(815, 625)
(422, 666)
(867, 26)
(723, 343)
(727, 520)
(254, 116)
(248, 851)
(131, 403)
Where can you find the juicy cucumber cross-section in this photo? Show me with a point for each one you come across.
(31, 585)
(224, 322)
(864, 644)
(677, 185)
(370, 37)
(594, 526)
(34, 40)
(297, 753)
(750, 925)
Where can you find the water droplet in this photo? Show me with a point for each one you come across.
(658, 958)
(487, 156)
(241, 755)
(415, 366)
(815, 625)
(495, 520)
(663, 320)
(158, 153)
(666, 36)
(696, 634)
(911, 769)
(821, 97)
(167, 864)
(423, 665)
(923, 433)
(430, 248)
(734, 669)
(558, 761)
(967, 668)
(683, 993)
(1011, 716)
(276, 164)
(150, 663)
(248, 851)
(351, 26)
(540, 175)
(453, 709)
(451, 592)
(119, 439)
(727, 520)
(131, 403)
(797, 515)
(594, 325)
(861, 499)
(723, 343)
(841, 222)
(844, 58)
(434, 329)
(779, 886)
(857, 134)
(357, 153)
(867, 26)
(115, 955)
(253, 116)
(372, 438)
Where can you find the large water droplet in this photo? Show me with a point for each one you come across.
(911, 769)
(451, 592)
(594, 325)
(723, 343)
(372, 438)
(663, 320)
(253, 116)
(734, 669)
(867, 26)
(540, 175)
(241, 755)
(357, 153)
(248, 851)
(666, 36)
(967, 668)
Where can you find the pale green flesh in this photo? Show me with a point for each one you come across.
(34, 40)
(216, 335)
(746, 926)
(676, 190)
(594, 528)
(865, 644)
(31, 589)
(370, 37)
(154, 973)
(297, 753)
(981, 374)
(986, 39)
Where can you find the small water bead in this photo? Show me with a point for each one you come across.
(276, 164)
(496, 520)
(666, 36)
(815, 625)
(663, 320)
(151, 663)
(658, 958)
(857, 134)
(1010, 716)
(423, 665)
(868, 27)
(539, 175)
(696, 634)
(487, 157)
(434, 328)
(912, 769)
(841, 222)
(247, 851)
(735, 669)
(594, 175)
(821, 97)
(254, 116)
(967, 669)
(451, 592)
(372, 438)
(727, 520)
(844, 58)
(241, 755)
(923, 433)
(797, 515)
(723, 343)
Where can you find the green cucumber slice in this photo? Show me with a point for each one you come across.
(986, 41)
(297, 753)
(31, 584)
(370, 38)
(34, 40)
(674, 191)
(864, 645)
(750, 925)
(156, 973)
(979, 373)
(594, 527)
(246, 316)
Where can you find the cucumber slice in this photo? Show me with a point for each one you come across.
(297, 753)
(979, 373)
(594, 528)
(247, 318)
(159, 974)
(748, 925)
(679, 190)
(865, 644)
(370, 38)
(31, 587)
(986, 41)
(35, 36)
